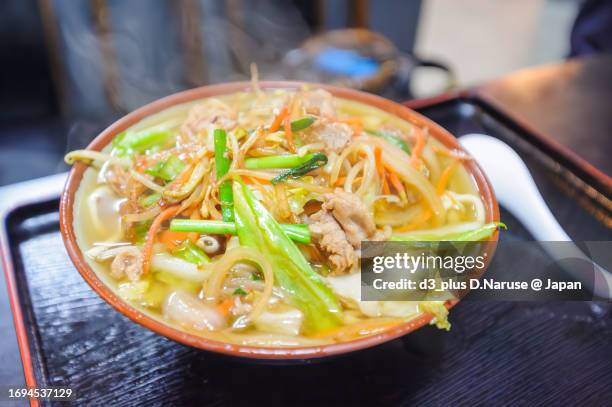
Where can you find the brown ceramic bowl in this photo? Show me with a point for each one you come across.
(262, 353)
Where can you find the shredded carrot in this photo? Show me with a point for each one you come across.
(182, 178)
(289, 133)
(225, 306)
(366, 327)
(380, 168)
(148, 248)
(418, 222)
(278, 120)
(397, 184)
(340, 181)
(446, 174)
(171, 239)
(141, 164)
(355, 123)
(418, 147)
(253, 180)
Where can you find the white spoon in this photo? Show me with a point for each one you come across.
(516, 191)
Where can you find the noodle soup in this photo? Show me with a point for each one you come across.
(239, 218)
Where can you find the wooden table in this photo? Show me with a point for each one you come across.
(570, 103)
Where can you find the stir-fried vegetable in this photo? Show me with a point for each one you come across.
(321, 175)
(316, 161)
(185, 188)
(147, 201)
(166, 214)
(481, 233)
(297, 232)
(276, 161)
(139, 231)
(222, 162)
(192, 253)
(303, 123)
(391, 139)
(239, 291)
(167, 169)
(128, 143)
(259, 230)
(419, 146)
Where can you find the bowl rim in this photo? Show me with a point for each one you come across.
(247, 351)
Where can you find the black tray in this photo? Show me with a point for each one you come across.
(496, 353)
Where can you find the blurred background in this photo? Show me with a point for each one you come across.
(70, 67)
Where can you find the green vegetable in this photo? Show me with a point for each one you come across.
(306, 289)
(303, 123)
(147, 201)
(140, 230)
(147, 292)
(167, 169)
(127, 143)
(298, 232)
(155, 295)
(240, 291)
(256, 277)
(391, 139)
(223, 163)
(276, 161)
(176, 282)
(477, 234)
(133, 290)
(317, 160)
(191, 253)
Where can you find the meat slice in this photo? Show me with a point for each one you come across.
(335, 136)
(128, 263)
(211, 114)
(330, 237)
(340, 226)
(352, 214)
(318, 102)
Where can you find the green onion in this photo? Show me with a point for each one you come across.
(306, 290)
(167, 169)
(190, 252)
(127, 143)
(276, 161)
(223, 163)
(239, 291)
(148, 201)
(297, 232)
(317, 160)
(303, 123)
(474, 235)
(391, 139)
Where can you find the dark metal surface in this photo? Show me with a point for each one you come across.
(496, 353)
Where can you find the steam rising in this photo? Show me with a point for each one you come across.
(118, 56)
